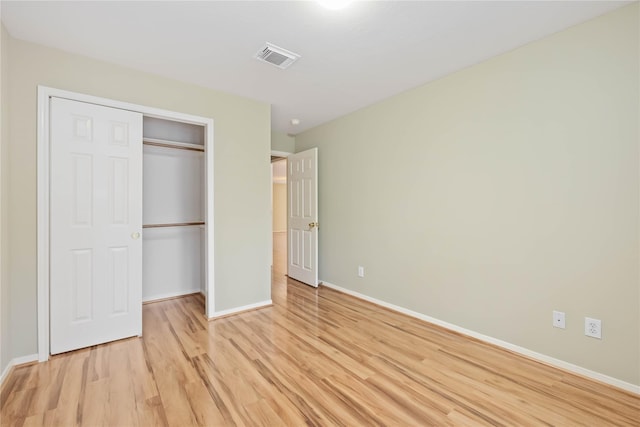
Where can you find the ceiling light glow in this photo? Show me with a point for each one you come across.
(334, 4)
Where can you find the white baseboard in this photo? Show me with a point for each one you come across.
(171, 295)
(16, 362)
(238, 310)
(512, 347)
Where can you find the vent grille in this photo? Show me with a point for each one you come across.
(281, 58)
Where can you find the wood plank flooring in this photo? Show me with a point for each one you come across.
(317, 357)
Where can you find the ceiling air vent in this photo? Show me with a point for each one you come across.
(281, 58)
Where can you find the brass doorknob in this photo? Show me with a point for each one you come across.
(312, 225)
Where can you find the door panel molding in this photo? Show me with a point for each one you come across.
(43, 187)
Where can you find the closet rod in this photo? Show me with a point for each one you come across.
(170, 145)
(174, 224)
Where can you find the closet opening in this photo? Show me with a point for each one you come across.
(173, 214)
(176, 177)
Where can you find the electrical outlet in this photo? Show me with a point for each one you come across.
(360, 271)
(558, 319)
(593, 327)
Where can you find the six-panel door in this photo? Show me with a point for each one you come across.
(302, 222)
(96, 225)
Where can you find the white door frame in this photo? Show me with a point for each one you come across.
(43, 187)
(280, 153)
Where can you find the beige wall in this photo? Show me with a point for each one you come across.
(5, 344)
(279, 207)
(241, 172)
(495, 195)
(282, 142)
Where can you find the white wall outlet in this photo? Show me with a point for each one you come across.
(360, 271)
(558, 319)
(593, 327)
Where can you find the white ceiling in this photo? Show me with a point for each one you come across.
(350, 58)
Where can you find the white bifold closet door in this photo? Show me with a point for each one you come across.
(96, 225)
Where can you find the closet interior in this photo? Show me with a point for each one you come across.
(173, 209)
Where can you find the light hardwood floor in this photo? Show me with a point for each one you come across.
(317, 357)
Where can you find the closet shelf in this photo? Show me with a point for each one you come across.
(172, 144)
(174, 224)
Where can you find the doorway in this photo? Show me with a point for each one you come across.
(279, 215)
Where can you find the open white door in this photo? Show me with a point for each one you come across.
(302, 221)
(96, 225)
